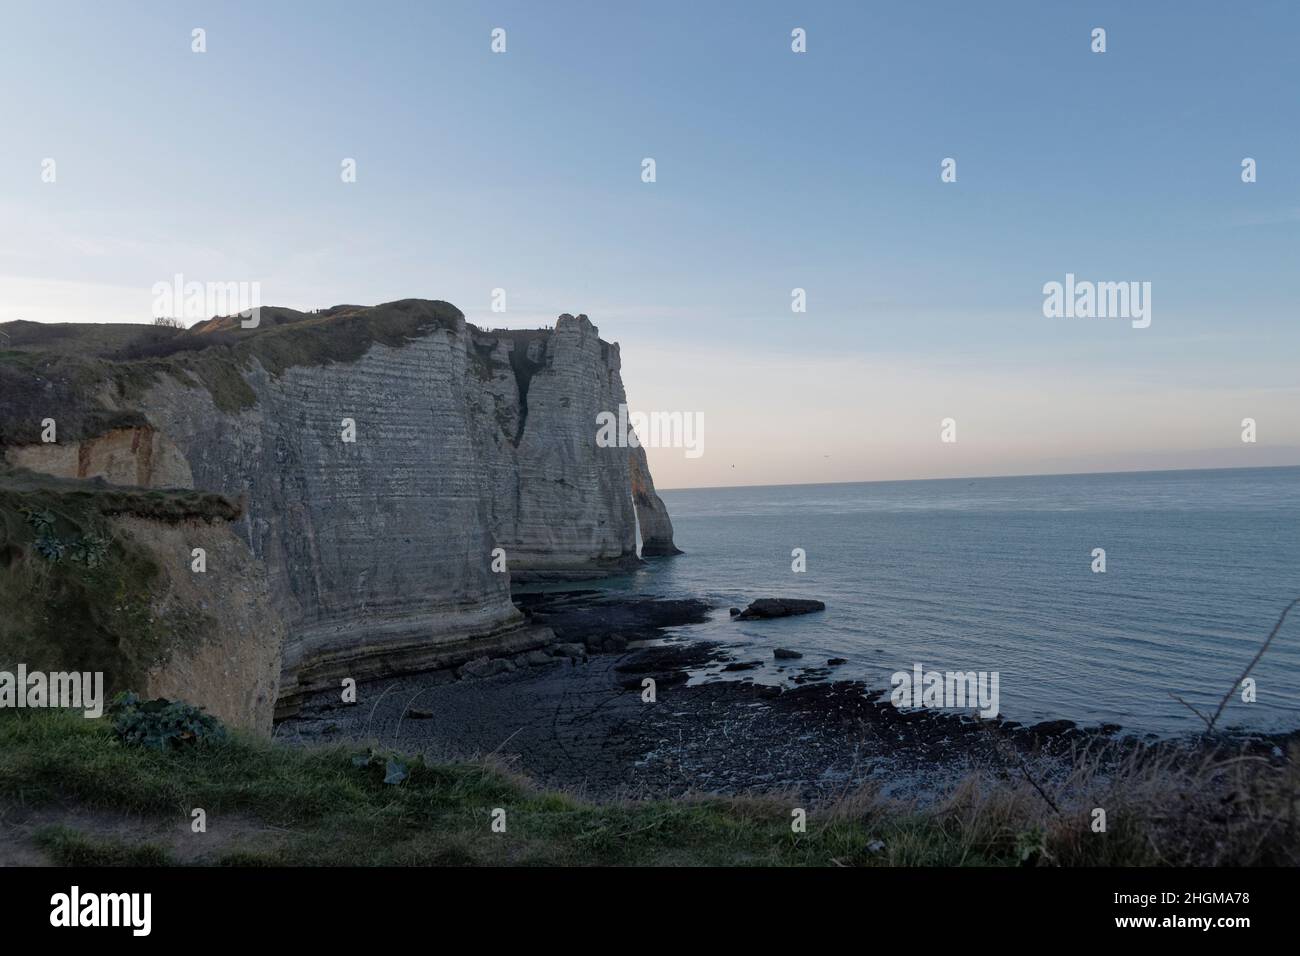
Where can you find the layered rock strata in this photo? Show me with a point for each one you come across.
(386, 458)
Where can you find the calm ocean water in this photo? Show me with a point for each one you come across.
(995, 575)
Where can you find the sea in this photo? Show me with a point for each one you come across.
(999, 575)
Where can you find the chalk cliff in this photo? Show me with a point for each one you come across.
(559, 505)
(652, 516)
(381, 455)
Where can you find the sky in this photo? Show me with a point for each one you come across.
(774, 170)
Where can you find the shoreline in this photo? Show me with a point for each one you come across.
(562, 742)
(572, 716)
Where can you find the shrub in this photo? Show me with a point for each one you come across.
(88, 549)
(163, 724)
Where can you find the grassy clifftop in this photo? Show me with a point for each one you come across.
(86, 376)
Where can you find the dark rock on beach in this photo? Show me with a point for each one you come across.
(779, 607)
(483, 667)
(602, 622)
(785, 654)
(1053, 728)
(534, 659)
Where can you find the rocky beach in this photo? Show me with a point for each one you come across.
(575, 716)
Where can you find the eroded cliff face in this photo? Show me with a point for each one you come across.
(561, 506)
(378, 551)
(652, 517)
(378, 547)
(123, 456)
(230, 661)
(95, 579)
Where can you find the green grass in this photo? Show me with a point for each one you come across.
(280, 805)
(318, 808)
(345, 336)
(36, 386)
(67, 847)
(20, 488)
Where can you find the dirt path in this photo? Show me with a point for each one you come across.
(20, 828)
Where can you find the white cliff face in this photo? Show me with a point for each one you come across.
(379, 551)
(562, 505)
(652, 516)
(376, 548)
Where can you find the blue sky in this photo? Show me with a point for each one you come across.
(775, 170)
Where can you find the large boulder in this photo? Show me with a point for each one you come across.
(779, 607)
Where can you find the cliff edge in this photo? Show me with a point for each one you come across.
(385, 460)
(95, 578)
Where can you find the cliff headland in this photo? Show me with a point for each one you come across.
(387, 472)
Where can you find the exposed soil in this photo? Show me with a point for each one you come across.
(19, 826)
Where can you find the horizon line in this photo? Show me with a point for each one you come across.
(895, 481)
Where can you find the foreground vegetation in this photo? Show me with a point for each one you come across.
(77, 593)
(79, 794)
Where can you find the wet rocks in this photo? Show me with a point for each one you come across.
(605, 624)
(484, 667)
(765, 608)
(1053, 728)
(534, 659)
(666, 679)
(481, 667)
(605, 642)
(785, 654)
(590, 728)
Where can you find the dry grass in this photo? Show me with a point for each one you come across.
(1164, 805)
